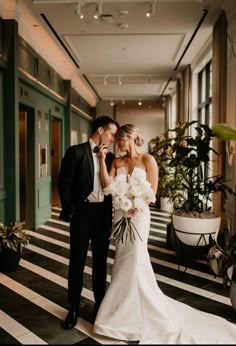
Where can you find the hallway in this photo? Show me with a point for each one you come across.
(33, 300)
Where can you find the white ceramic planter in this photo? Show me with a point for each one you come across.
(166, 205)
(195, 231)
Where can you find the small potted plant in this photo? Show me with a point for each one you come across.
(167, 182)
(12, 238)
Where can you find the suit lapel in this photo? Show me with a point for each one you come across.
(90, 159)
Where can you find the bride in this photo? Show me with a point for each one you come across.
(134, 307)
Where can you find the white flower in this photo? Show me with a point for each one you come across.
(121, 202)
(126, 204)
(136, 190)
(139, 203)
(122, 188)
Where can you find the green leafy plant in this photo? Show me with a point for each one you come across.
(187, 149)
(165, 186)
(167, 182)
(221, 257)
(13, 235)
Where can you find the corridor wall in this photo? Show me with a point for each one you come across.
(36, 94)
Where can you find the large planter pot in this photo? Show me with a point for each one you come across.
(166, 205)
(9, 260)
(195, 231)
(192, 235)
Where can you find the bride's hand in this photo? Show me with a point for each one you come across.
(132, 212)
(102, 151)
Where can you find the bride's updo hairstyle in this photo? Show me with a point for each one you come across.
(130, 131)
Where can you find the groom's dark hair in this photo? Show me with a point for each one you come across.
(103, 121)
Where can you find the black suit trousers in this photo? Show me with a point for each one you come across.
(91, 223)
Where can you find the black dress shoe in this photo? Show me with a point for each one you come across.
(71, 318)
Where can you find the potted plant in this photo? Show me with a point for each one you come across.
(12, 237)
(167, 182)
(165, 188)
(222, 261)
(188, 150)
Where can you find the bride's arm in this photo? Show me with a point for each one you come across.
(152, 171)
(104, 175)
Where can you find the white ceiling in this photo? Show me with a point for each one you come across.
(146, 54)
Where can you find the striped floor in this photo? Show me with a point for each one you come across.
(33, 300)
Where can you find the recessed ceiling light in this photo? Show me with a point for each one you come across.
(123, 12)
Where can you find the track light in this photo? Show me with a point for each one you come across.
(78, 10)
(111, 103)
(151, 10)
(140, 102)
(98, 12)
(119, 80)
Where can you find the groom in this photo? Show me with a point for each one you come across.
(89, 213)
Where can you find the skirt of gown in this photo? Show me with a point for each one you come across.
(134, 307)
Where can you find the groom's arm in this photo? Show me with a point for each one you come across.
(65, 183)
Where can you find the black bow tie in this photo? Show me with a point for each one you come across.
(96, 149)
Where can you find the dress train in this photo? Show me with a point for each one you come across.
(135, 309)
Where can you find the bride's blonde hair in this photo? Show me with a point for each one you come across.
(129, 130)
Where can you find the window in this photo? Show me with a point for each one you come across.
(205, 104)
(205, 95)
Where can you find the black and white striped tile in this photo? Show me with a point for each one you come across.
(33, 300)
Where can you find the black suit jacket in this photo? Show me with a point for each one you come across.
(76, 178)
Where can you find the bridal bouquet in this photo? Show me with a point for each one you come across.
(130, 194)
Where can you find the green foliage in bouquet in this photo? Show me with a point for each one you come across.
(124, 230)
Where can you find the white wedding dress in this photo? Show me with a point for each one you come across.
(134, 308)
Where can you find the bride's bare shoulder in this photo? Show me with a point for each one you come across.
(148, 159)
